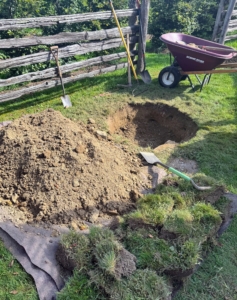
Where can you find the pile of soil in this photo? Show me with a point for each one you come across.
(57, 171)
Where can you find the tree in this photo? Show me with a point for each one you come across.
(191, 17)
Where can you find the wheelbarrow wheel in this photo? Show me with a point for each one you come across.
(169, 77)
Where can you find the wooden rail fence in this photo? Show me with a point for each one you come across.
(225, 28)
(77, 43)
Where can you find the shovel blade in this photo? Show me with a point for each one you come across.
(150, 157)
(145, 76)
(66, 101)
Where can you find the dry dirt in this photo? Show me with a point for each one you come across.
(56, 171)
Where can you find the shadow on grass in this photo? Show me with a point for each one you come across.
(109, 83)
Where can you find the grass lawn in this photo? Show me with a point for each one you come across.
(214, 148)
(15, 283)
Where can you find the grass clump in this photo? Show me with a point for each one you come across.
(100, 278)
(161, 255)
(77, 248)
(142, 285)
(97, 234)
(206, 214)
(106, 253)
(79, 287)
(153, 209)
(168, 234)
(186, 255)
(152, 253)
(180, 222)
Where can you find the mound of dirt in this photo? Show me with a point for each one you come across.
(58, 171)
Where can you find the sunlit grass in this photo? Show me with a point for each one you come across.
(15, 283)
(214, 148)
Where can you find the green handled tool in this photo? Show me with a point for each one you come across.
(152, 159)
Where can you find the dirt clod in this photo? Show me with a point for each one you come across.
(125, 264)
(61, 172)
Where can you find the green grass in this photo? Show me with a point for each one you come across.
(216, 278)
(14, 282)
(78, 288)
(214, 148)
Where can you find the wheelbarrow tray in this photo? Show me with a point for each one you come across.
(195, 59)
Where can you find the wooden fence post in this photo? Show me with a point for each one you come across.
(132, 20)
(144, 15)
(218, 19)
(226, 21)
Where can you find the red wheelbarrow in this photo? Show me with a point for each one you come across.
(194, 55)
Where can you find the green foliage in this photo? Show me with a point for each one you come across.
(187, 16)
(10, 9)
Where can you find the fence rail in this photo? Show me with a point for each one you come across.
(224, 24)
(66, 37)
(12, 24)
(55, 82)
(74, 43)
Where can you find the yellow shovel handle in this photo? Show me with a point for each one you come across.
(124, 42)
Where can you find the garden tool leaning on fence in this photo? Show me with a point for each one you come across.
(65, 98)
(124, 42)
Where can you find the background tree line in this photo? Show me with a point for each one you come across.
(188, 16)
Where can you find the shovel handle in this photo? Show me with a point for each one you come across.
(123, 40)
(178, 173)
(54, 51)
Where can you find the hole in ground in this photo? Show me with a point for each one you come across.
(151, 125)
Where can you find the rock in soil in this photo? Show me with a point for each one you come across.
(61, 172)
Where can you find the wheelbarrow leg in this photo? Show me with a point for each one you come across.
(190, 81)
(209, 78)
(205, 81)
(198, 79)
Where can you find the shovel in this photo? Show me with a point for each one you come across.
(145, 75)
(152, 159)
(65, 98)
(123, 40)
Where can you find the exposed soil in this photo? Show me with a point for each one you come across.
(150, 125)
(56, 171)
